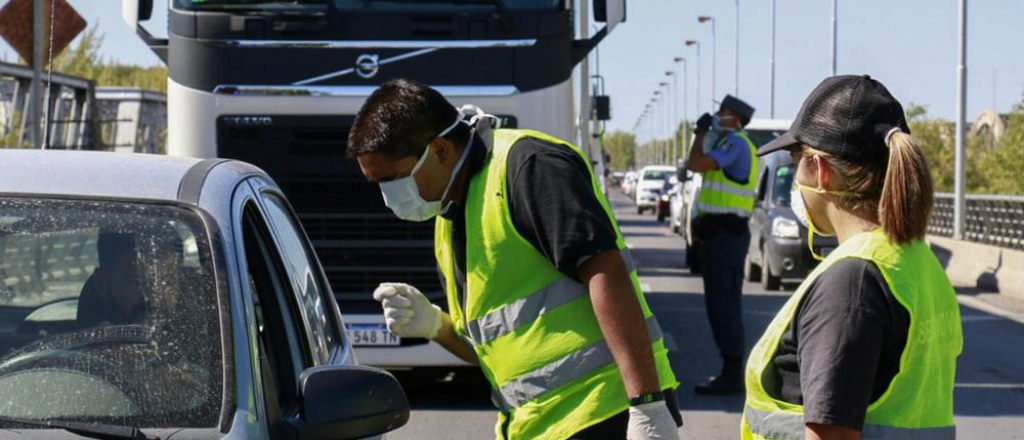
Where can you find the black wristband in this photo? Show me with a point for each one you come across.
(642, 399)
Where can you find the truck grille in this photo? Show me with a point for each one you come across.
(359, 242)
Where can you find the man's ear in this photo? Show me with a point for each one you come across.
(443, 149)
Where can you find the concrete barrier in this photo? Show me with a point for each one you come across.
(986, 268)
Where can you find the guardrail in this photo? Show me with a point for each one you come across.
(992, 220)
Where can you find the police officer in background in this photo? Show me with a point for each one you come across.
(727, 158)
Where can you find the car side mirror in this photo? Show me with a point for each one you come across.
(342, 402)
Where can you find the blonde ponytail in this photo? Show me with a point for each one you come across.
(907, 193)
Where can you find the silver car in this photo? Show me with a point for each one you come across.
(149, 297)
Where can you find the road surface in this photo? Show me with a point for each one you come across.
(989, 400)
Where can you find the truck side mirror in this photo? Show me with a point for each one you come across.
(610, 12)
(134, 11)
(602, 107)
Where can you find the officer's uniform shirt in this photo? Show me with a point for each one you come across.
(733, 157)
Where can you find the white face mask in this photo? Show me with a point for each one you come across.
(403, 195)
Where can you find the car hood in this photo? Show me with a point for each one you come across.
(651, 184)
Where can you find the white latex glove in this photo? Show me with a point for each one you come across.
(408, 312)
(651, 421)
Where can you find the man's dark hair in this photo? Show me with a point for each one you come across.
(400, 118)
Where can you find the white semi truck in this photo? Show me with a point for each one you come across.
(277, 83)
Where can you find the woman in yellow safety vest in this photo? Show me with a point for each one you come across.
(867, 346)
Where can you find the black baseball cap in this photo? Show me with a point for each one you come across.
(847, 116)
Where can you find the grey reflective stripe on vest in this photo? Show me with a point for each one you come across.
(727, 188)
(788, 426)
(705, 208)
(526, 310)
(560, 372)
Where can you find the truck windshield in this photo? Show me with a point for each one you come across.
(363, 4)
(108, 314)
(783, 183)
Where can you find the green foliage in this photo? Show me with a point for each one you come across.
(84, 60)
(991, 168)
(1005, 163)
(621, 146)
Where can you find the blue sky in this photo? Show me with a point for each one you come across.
(910, 45)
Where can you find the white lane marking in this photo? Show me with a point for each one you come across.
(646, 287)
(1002, 386)
(983, 306)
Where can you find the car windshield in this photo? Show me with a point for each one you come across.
(658, 174)
(782, 185)
(108, 314)
(762, 137)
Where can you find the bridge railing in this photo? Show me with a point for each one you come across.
(989, 219)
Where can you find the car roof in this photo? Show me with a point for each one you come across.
(94, 174)
(769, 124)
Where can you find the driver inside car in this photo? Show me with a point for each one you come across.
(113, 294)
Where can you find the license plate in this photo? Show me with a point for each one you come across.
(371, 334)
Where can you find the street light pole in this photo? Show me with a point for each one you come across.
(675, 115)
(736, 64)
(835, 37)
(959, 199)
(670, 120)
(714, 54)
(697, 43)
(771, 87)
(686, 118)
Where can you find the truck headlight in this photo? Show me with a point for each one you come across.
(785, 228)
(664, 198)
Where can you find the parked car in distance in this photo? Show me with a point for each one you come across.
(154, 297)
(778, 244)
(629, 184)
(650, 185)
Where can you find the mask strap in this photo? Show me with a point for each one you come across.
(458, 166)
(810, 242)
(477, 114)
(423, 158)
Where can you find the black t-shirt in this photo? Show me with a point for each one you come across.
(551, 201)
(844, 346)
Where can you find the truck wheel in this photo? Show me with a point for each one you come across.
(661, 216)
(768, 281)
(639, 210)
(751, 270)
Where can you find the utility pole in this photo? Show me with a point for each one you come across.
(736, 64)
(835, 36)
(35, 92)
(959, 196)
(686, 117)
(771, 87)
(714, 54)
(670, 120)
(584, 115)
(697, 43)
(675, 115)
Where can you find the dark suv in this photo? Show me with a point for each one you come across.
(778, 244)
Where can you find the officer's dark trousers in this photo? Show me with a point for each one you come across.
(724, 252)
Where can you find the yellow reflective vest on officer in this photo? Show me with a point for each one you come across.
(721, 195)
(918, 404)
(533, 329)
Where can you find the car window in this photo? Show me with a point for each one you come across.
(108, 314)
(314, 299)
(658, 174)
(783, 183)
(762, 185)
(278, 344)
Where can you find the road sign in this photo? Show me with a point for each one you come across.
(16, 26)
